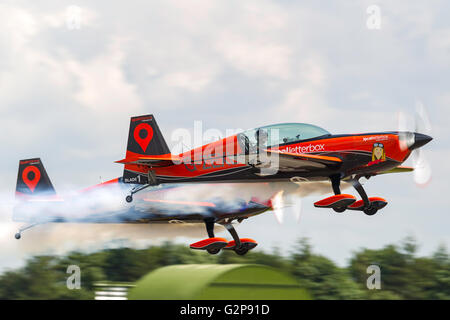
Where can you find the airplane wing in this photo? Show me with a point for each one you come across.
(298, 161)
(397, 170)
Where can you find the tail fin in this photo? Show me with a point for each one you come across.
(144, 139)
(32, 180)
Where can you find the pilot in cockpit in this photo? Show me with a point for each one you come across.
(261, 136)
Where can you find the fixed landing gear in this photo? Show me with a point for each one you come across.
(370, 206)
(18, 235)
(341, 202)
(151, 180)
(359, 188)
(241, 251)
(213, 245)
(129, 198)
(336, 185)
(213, 251)
(240, 245)
(370, 211)
(237, 241)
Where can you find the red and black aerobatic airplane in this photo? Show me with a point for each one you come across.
(38, 203)
(280, 152)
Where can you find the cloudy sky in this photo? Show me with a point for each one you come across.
(72, 73)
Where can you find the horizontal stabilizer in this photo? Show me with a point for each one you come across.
(157, 160)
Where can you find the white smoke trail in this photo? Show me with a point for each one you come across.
(60, 238)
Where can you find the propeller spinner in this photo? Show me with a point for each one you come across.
(414, 141)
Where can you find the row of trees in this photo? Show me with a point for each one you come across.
(403, 274)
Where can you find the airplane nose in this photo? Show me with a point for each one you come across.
(420, 140)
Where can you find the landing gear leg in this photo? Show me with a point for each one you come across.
(209, 223)
(129, 198)
(18, 235)
(234, 234)
(152, 180)
(368, 208)
(239, 248)
(336, 185)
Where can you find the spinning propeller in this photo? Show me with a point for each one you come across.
(279, 204)
(414, 140)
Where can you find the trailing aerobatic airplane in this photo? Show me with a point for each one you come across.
(38, 203)
(280, 152)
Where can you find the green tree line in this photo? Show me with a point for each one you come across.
(404, 275)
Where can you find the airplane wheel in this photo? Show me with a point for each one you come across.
(241, 251)
(213, 251)
(129, 199)
(370, 211)
(342, 209)
(17, 236)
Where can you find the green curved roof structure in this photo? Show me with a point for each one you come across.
(217, 282)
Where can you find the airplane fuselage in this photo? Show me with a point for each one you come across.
(361, 154)
(104, 203)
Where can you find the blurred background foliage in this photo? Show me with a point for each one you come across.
(404, 275)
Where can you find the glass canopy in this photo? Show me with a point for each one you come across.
(278, 134)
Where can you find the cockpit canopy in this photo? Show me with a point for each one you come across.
(279, 134)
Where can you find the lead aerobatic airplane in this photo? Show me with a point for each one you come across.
(280, 152)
